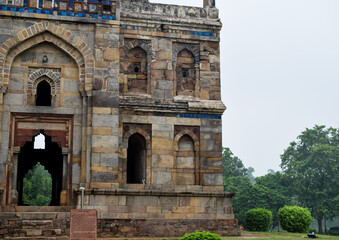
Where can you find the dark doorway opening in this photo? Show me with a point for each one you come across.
(43, 94)
(50, 158)
(136, 159)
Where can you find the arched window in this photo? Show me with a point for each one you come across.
(137, 70)
(185, 73)
(185, 161)
(43, 94)
(136, 159)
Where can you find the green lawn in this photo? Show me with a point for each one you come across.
(278, 236)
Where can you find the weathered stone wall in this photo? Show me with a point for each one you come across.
(54, 225)
(137, 73)
(161, 227)
(146, 201)
(34, 225)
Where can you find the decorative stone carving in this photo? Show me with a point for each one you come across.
(51, 75)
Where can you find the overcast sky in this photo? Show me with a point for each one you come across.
(280, 73)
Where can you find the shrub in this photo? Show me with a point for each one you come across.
(295, 219)
(258, 219)
(200, 236)
(334, 231)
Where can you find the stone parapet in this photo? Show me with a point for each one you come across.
(143, 7)
(157, 204)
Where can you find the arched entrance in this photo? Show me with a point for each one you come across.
(50, 158)
(136, 159)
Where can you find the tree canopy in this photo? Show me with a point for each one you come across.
(311, 167)
(37, 187)
(310, 178)
(251, 193)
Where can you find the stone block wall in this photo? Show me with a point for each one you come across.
(133, 106)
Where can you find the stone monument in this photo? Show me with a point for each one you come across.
(126, 97)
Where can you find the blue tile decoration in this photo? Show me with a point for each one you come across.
(70, 13)
(200, 116)
(207, 34)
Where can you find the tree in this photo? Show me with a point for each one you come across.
(37, 187)
(240, 180)
(232, 166)
(311, 165)
(257, 196)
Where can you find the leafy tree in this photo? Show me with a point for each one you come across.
(311, 165)
(232, 166)
(249, 196)
(275, 181)
(37, 187)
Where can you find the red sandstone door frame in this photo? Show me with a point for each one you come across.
(23, 128)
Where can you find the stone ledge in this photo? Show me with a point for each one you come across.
(207, 106)
(154, 193)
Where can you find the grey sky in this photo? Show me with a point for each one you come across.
(280, 73)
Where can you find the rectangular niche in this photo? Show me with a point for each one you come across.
(48, 4)
(63, 5)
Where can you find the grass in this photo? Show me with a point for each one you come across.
(280, 236)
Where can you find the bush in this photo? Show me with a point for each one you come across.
(258, 219)
(200, 236)
(295, 219)
(334, 231)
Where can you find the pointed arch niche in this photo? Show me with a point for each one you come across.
(136, 160)
(187, 155)
(136, 67)
(186, 65)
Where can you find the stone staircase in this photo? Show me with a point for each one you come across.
(31, 223)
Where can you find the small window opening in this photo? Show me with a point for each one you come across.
(45, 59)
(107, 9)
(39, 142)
(185, 73)
(37, 187)
(43, 94)
(137, 67)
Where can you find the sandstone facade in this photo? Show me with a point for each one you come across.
(127, 96)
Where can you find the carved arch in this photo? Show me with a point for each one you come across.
(60, 37)
(47, 75)
(193, 48)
